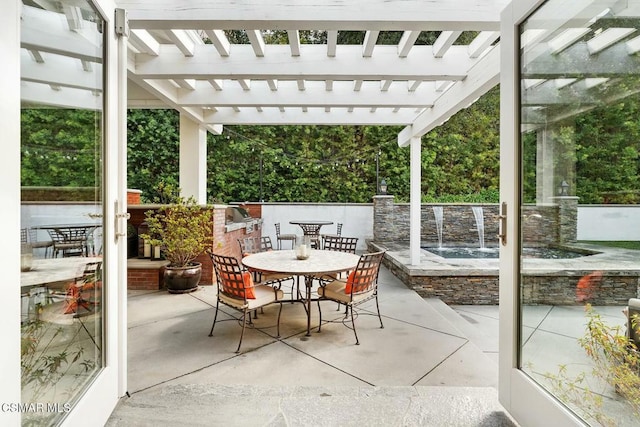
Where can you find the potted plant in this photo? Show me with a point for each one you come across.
(183, 230)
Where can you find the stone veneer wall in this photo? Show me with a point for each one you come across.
(543, 225)
(615, 288)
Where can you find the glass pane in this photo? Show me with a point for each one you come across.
(61, 213)
(580, 178)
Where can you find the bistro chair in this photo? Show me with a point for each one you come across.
(338, 232)
(284, 237)
(39, 244)
(253, 245)
(237, 290)
(84, 291)
(360, 287)
(340, 244)
(70, 242)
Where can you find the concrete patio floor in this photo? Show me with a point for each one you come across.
(428, 366)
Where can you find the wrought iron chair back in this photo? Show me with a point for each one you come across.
(236, 290)
(250, 245)
(340, 244)
(359, 287)
(69, 241)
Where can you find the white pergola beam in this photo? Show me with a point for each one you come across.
(144, 42)
(59, 70)
(444, 41)
(312, 64)
(294, 42)
(332, 42)
(316, 116)
(370, 39)
(406, 43)
(220, 41)
(183, 42)
(482, 42)
(607, 38)
(315, 94)
(257, 42)
(65, 97)
(377, 15)
(483, 76)
(43, 31)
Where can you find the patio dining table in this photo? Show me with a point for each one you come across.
(318, 264)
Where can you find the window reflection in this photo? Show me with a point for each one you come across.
(580, 144)
(61, 178)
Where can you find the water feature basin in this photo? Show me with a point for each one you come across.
(494, 252)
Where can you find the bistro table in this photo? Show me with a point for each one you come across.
(67, 237)
(312, 228)
(46, 278)
(319, 263)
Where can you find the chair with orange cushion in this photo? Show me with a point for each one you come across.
(84, 291)
(360, 287)
(253, 245)
(236, 289)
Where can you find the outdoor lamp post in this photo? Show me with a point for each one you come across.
(564, 188)
(383, 186)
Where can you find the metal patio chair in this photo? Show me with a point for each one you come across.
(253, 245)
(340, 244)
(237, 290)
(360, 287)
(284, 237)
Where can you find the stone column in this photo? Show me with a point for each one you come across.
(567, 218)
(383, 218)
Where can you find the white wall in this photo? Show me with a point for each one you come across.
(357, 219)
(606, 222)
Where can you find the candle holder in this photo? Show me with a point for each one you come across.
(26, 257)
(303, 247)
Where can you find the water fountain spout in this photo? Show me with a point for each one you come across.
(478, 213)
(438, 214)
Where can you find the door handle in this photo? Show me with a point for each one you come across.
(502, 227)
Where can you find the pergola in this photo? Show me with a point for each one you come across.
(179, 57)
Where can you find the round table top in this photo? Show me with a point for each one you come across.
(285, 261)
(311, 222)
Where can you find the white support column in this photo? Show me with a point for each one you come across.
(193, 160)
(545, 173)
(415, 200)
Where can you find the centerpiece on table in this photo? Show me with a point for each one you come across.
(183, 230)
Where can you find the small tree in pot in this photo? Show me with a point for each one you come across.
(183, 229)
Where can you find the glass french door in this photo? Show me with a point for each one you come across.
(571, 82)
(62, 191)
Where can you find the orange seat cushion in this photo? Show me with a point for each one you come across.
(354, 280)
(248, 285)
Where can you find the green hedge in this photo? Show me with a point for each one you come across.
(60, 194)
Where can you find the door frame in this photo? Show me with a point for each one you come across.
(524, 399)
(101, 397)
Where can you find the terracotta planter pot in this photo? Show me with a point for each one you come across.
(179, 280)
